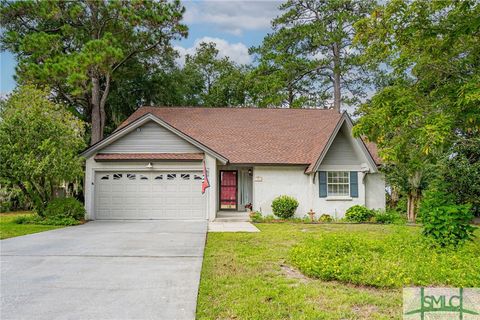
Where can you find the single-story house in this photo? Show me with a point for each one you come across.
(151, 166)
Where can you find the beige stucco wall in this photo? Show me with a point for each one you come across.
(270, 182)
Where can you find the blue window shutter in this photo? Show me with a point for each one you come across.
(322, 183)
(354, 184)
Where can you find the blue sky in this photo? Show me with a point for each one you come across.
(233, 25)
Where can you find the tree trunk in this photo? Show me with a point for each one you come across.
(97, 128)
(412, 206)
(103, 100)
(337, 94)
(414, 195)
(290, 97)
(394, 197)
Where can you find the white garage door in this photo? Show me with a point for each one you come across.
(149, 195)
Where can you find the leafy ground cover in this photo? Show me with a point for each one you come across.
(9, 229)
(250, 276)
(397, 258)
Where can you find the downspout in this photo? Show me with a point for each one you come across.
(364, 176)
(311, 180)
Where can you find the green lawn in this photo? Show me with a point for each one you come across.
(9, 229)
(249, 276)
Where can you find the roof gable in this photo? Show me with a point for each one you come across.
(150, 138)
(342, 151)
(358, 148)
(127, 128)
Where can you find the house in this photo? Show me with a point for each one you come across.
(151, 167)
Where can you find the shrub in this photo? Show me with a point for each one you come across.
(61, 208)
(36, 219)
(444, 222)
(386, 259)
(389, 217)
(284, 206)
(65, 221)
(359, 213)
(256, 216)
(325, 218)
(31, 219)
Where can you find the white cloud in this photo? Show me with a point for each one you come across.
(234, 17)
(237, 52)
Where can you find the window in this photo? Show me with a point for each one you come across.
(171, 176)
(338, 183)
(131, 176)
(160, 177)
(117, 176)
(197, 177)
(185, 176)
(105, 177)
(142, 177)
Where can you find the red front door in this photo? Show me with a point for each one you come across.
(228, 190)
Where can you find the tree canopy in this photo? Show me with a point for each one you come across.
(309, 59)
(430, 51)
(39, 144)
(77, 47)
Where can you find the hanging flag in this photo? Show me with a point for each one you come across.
(205, 183)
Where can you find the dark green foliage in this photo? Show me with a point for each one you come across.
(384, 259)
(284, 206)
(462, 173)
(308, 60)
(59, 212)
(444, 221)
(212, 81)
(325, 218)
(54, 221)
(256, 216)
(431, 52)
(39, 145)
(77, 48)
(12, 198)
(389, 217)
(61, 208)
(27, 219)
(359, 213)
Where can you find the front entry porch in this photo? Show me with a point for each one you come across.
(235, 188)
(235, 193)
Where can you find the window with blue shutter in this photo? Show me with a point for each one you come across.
(322, 183)
(354, 184)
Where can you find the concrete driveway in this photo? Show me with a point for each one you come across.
(104, 270)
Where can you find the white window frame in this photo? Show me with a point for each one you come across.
(338, 175)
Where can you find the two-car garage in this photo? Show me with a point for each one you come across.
(148, 170)
(149, 195)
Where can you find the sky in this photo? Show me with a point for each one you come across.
(233, 25)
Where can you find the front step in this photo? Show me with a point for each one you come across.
(239, 219)
(232, 217)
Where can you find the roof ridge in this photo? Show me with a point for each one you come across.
(234, 107)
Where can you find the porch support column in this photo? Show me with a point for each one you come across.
(211, 165)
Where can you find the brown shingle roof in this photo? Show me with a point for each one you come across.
(148, 156)
(252, 135)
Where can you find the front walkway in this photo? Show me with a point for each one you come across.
(104, 270)
(231, 227)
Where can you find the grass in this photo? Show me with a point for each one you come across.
(9, 229)
(250, 276)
